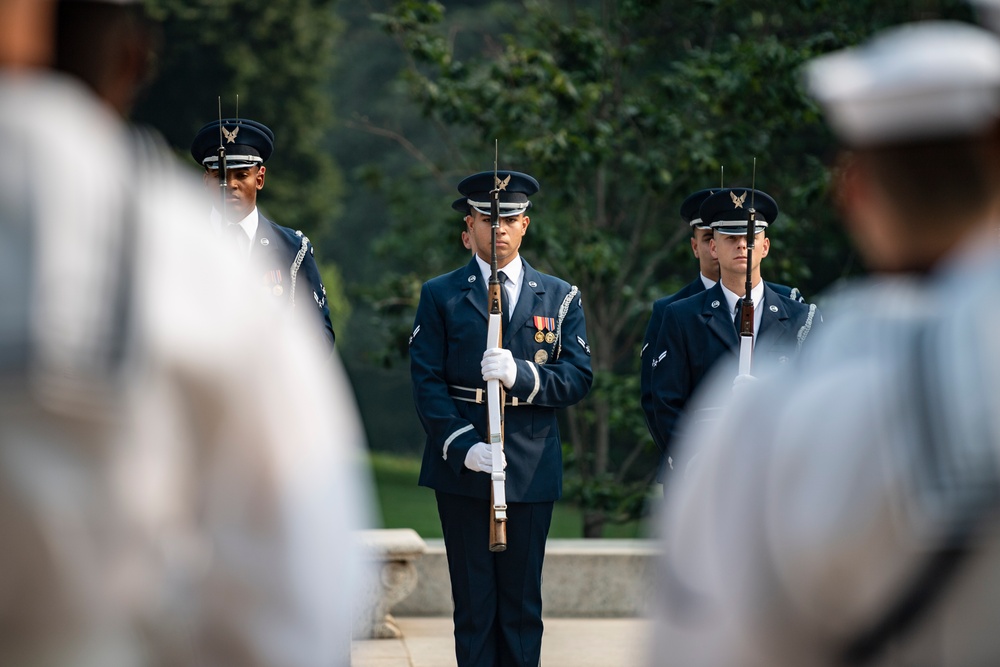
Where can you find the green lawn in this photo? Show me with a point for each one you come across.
(406, 505)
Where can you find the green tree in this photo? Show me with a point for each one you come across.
(621, 109)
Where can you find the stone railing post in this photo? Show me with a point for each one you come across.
(393, 553)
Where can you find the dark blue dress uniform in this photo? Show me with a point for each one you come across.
(698, 333)
(690, 212)
(290, 274)
(283, 255)
(497, 595)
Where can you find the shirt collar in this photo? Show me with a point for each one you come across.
(513, 271)
(707, 282)
(247, 224)
(757, 293)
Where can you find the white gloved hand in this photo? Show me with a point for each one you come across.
(743, 382)
(480, 458)
(498, 364)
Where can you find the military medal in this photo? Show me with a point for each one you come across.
(550, 324)
(541, 357)
(273, 280)
(540, 325)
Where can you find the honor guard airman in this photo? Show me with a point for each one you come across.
(282, 257)
(708, 276)
(543, 364)
(698, 332)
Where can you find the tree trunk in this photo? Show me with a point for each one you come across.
(593, 524)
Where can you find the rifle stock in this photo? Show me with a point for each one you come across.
(747, 314)
(495, 399)
(494, 391)
(746, 335)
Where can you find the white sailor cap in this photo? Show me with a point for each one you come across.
(912, 82)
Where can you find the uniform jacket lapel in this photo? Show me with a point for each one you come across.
(774, 321)
(263, 232)
(529, 301)
(475, 288)
(715, 310)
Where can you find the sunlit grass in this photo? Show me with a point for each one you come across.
(403, 504)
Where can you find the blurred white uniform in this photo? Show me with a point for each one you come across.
(812, 502)
(178, 471)
(834, 492)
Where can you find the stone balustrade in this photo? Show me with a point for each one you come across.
(580, 579)
(603, 578)
(393, 553)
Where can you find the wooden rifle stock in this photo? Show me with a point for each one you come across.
(746, 313)
(746, 335)
(494, 390)
(495, 401)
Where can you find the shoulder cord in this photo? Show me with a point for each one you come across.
(301, 255)
(807, 327)
(563, 309)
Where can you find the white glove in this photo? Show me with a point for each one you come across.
(743, 382)
(498, 364)
(480, 458)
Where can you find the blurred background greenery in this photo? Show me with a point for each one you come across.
(619, 108)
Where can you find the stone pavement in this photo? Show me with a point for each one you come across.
(567, 642)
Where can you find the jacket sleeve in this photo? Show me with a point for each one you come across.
(315, 297)
(649, 353)
(447, 430)
(566, 377)
(670, 380)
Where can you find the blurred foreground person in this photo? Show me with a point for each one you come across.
(177, 482)
(844, 511)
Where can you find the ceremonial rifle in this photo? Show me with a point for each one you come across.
(494, 390)
(746, 313)
(223, 182)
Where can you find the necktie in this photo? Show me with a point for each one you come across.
(237, 239)
(736, 316)
(504, 301)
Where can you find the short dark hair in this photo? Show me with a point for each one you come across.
(931, 182)
(88, 32)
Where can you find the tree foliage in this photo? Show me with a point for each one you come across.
(621, 109)
(277, 56)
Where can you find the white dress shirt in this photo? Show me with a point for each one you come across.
(757, 293)
(514, 270)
